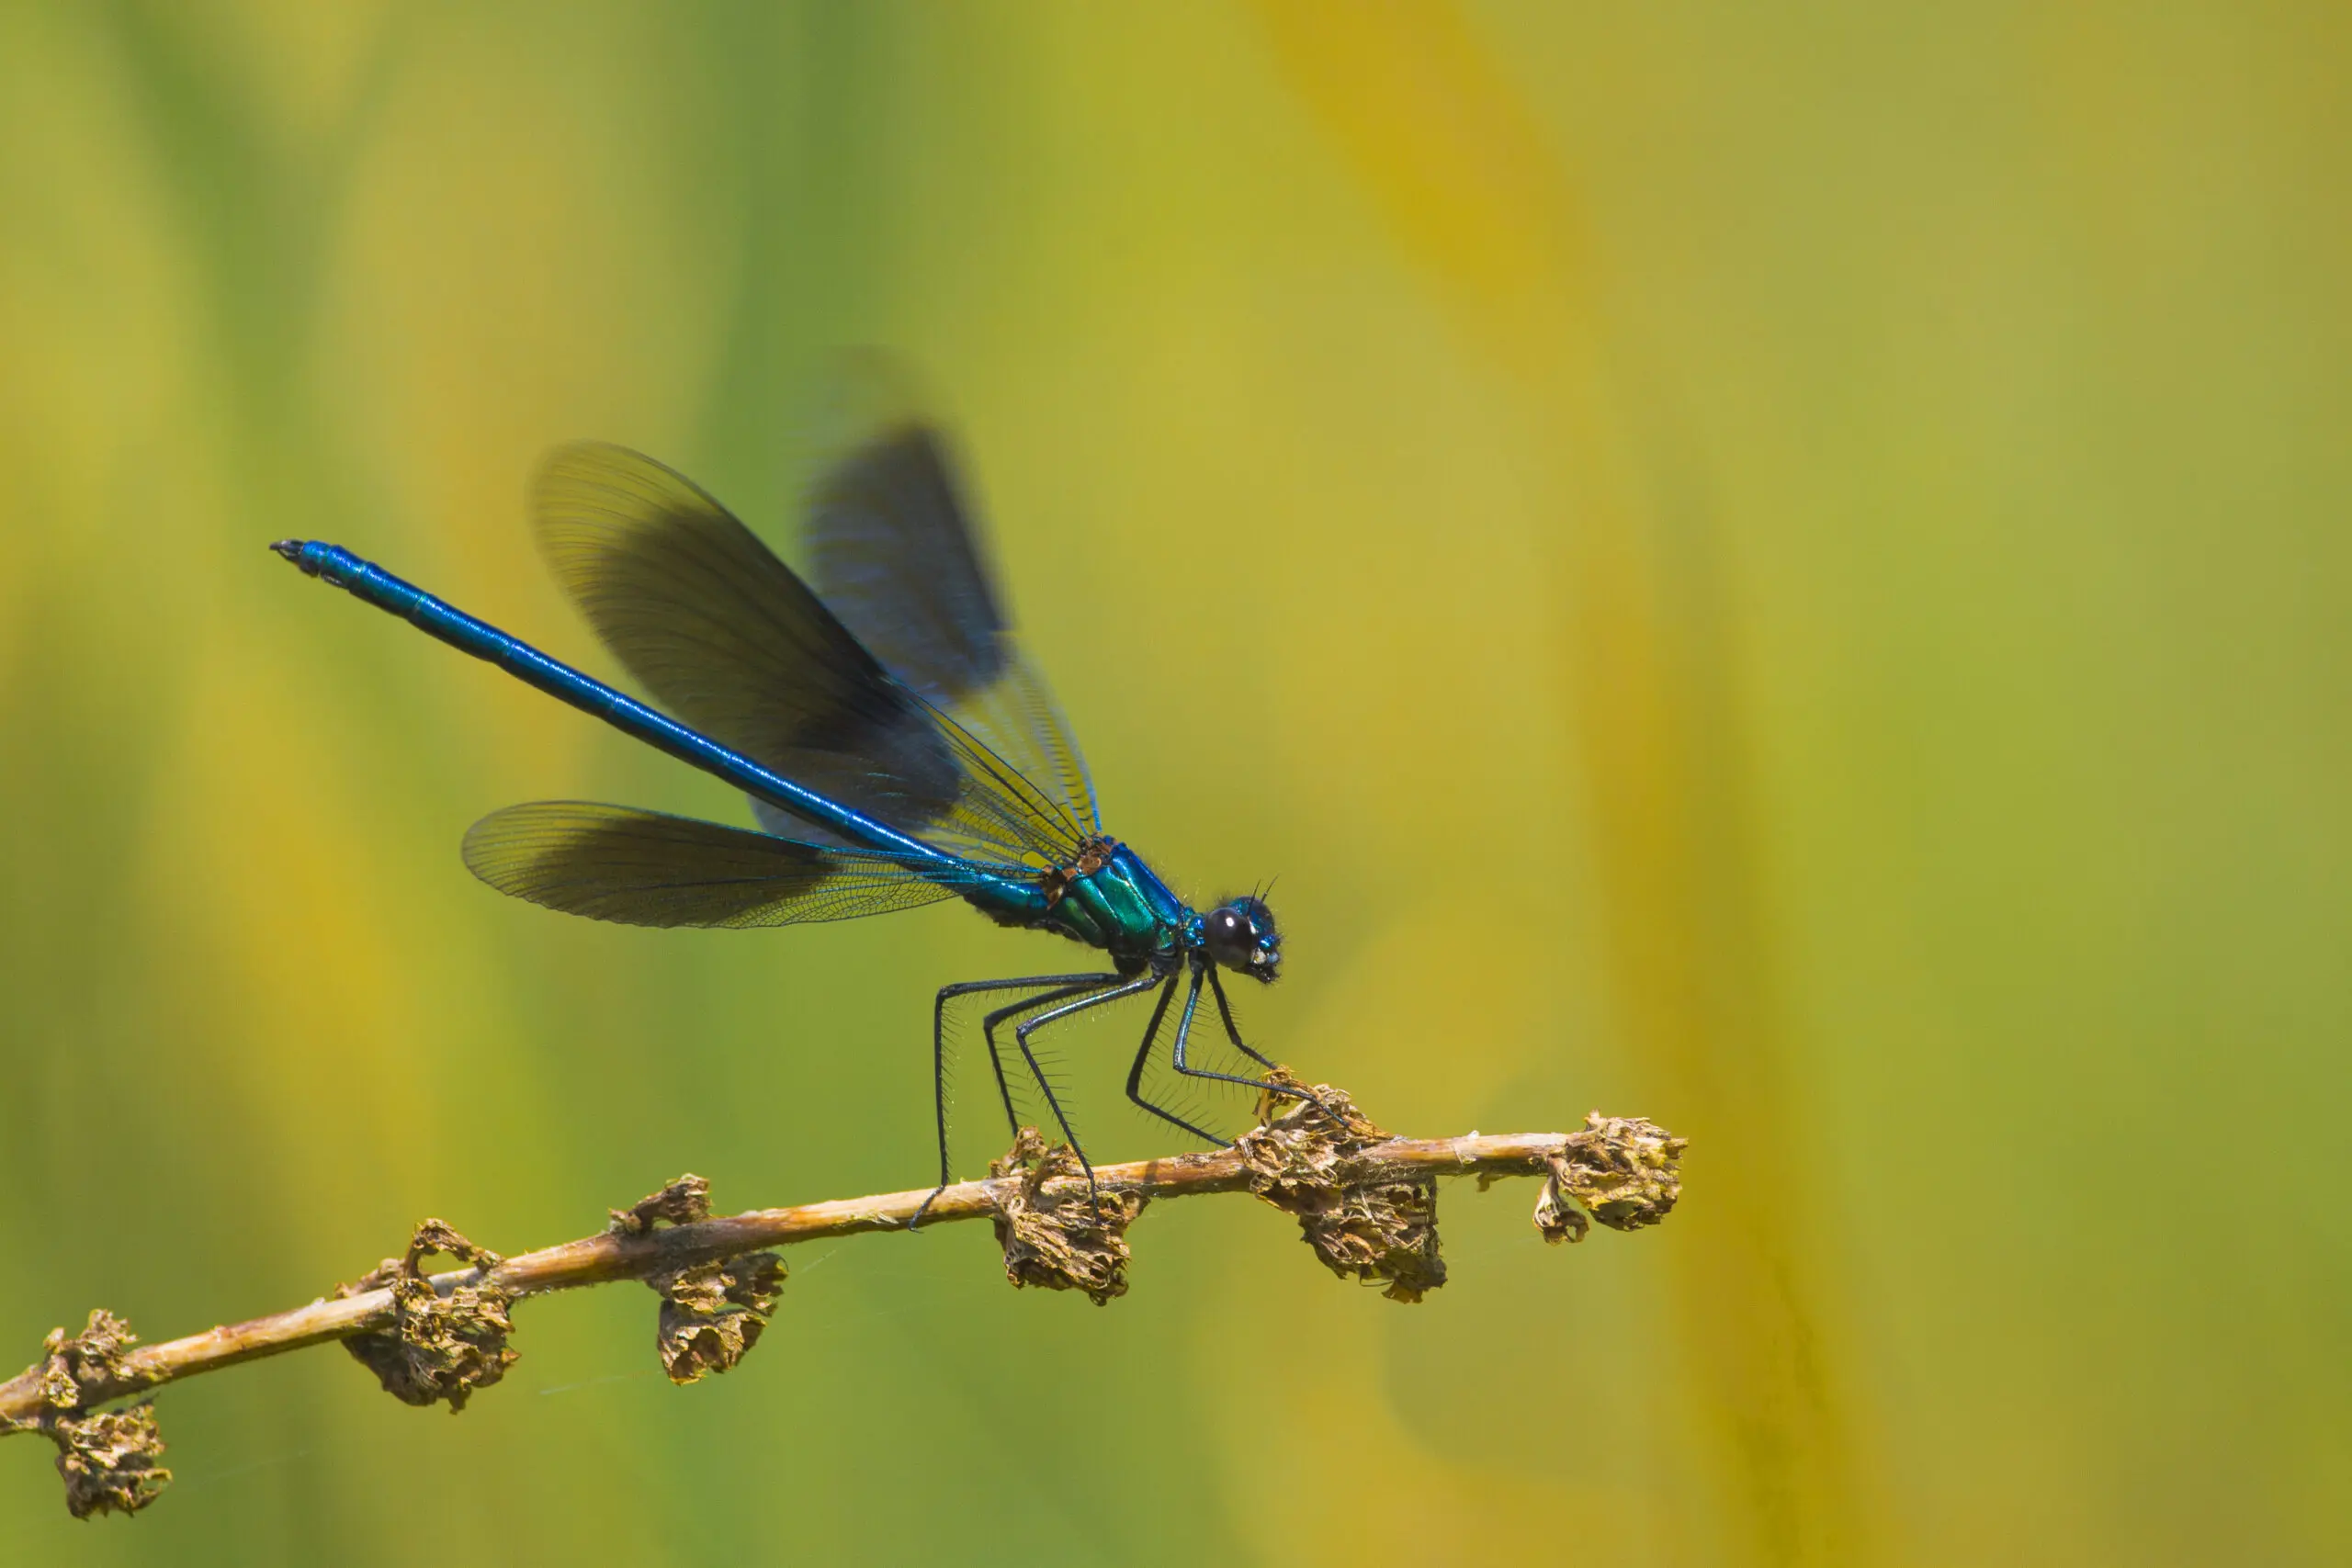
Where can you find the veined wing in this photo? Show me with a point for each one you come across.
(893, 552)
(724, 635)
(644, 868)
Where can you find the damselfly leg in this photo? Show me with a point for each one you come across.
(1136, 987)
(1232, 1030)
(1143, 1054)
(1205, 971)
(1057, 987)
(989, 1025)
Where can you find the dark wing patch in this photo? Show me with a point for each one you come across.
(894, 551)
(892, 555)
(724, 637)
(644, 868)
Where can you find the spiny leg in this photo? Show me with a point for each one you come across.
(939, 1045)
(1026, 1004)
(1233, 1034)
(1143, 1053)
(939, 1057)
(1202, 973)
(1232, 1031)
(1021, 1037)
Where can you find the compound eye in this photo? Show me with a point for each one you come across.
(1228, 936)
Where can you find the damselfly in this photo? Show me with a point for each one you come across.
(896, 746)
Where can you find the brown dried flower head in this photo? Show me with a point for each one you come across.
(1363, 1223)
(682, 1202)
(713, 1313)
(1058, 1234)
(438, 1347)
(1625, 1171)
(108, 1461)
(106, 1458)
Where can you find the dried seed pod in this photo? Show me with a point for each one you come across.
(1626, 1169)
(1365, 1223)
(682, 1202)
(108, 1459)
(713, 1313)
(1058, 1234)
(438, 1347)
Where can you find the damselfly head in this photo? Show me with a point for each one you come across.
(1240, 935)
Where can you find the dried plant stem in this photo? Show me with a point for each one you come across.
(606, 1257)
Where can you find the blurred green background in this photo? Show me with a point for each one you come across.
(1783, 570)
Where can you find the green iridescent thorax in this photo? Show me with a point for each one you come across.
(1112, 900)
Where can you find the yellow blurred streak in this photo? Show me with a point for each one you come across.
(277, 894)
(1438, 138)
(1400, 1005)
(488, 300)
(1328, 1473)
(94, 310)
(297, 66)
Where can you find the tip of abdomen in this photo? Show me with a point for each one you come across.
(293, 549)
